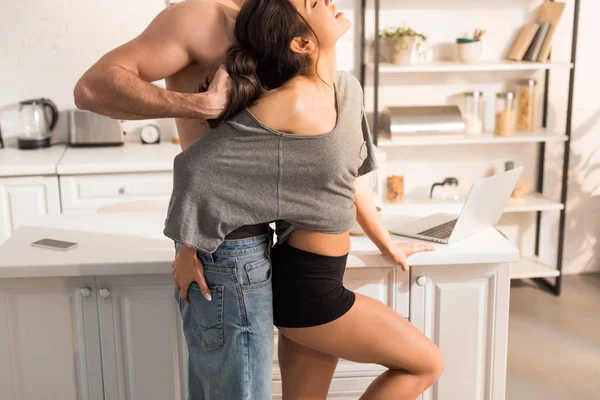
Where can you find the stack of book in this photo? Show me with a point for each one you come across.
(535, 39)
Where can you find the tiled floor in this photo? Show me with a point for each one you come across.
(554, 342)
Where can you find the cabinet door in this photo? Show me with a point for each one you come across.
(49, 340)
(464, 310)
(143, 352)
(24, 199)
(85, 194)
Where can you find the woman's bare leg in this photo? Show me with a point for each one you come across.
(371, 332)
(305, 373)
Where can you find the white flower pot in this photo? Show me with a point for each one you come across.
(469, 53)
(397, 51)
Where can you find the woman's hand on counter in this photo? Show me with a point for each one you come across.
(399, 252)
(187, 269)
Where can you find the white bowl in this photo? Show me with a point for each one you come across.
(469, 53)
(356, 230)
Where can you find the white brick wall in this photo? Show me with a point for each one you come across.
(47, 45)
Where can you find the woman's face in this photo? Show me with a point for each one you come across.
(323, 17)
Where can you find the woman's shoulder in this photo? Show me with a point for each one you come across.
(281, 108)
(348, 84)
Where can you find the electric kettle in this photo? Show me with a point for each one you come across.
(37, 119)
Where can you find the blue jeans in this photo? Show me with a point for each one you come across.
(230, 339)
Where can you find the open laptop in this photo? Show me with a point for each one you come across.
(483, 209)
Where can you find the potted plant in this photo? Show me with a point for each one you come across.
(397, 44)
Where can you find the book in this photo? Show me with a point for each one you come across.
(550, 12)
(523, 41)
(538, 42)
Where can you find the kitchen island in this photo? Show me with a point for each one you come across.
(100, 321)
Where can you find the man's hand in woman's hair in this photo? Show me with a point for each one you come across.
(218, 90)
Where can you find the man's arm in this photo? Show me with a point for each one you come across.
(118, 85)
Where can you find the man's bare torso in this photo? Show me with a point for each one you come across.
(208, 53)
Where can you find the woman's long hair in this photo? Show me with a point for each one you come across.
(262, 59)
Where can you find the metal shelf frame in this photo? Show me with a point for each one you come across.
(554, 287)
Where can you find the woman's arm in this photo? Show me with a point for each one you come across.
(366, 215)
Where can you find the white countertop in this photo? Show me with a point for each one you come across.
(129, 158)
(126, 244)
(15, 162)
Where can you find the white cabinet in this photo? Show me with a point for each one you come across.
(25, 198)
(120, 337)
(49, 342)
(143, 348)
(464, 310)
(109, 338)
(88, 193)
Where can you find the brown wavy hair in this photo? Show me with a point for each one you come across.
(262, 59)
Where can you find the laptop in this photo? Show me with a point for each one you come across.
(482, 209)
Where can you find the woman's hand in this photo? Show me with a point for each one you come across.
(187, 269)
(399, 252)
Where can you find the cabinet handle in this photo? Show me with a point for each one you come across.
(122, 190)
(85, 291)
(422, 280)
(104, 293)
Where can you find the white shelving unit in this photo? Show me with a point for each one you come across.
(451, 139)
(483, 66)
(532, 267)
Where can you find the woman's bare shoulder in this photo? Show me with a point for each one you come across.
(280, 109)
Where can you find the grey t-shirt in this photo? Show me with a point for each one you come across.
(245, 173)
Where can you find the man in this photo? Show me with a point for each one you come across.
(230, 358)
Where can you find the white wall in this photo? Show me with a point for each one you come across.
(47, 45)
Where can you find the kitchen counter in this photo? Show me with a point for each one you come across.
(15, 162)
(113, 295)
(125, 244)
(63, 160)
(129, 158)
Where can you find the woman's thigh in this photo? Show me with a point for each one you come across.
(305, 373)
(370, 332)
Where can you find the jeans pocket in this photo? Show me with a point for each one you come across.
(258, 273)
(207, 316)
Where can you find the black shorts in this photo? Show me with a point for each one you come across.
(307, 287)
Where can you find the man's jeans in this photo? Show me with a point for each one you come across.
(230, 339)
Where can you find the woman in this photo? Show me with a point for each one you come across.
(297, 155)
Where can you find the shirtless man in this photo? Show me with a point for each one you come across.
(230, 357)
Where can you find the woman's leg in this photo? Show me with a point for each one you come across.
(305, 373)
(371, 332)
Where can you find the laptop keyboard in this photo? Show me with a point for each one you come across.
(441, 231)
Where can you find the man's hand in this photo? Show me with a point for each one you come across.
(218, 90)
(399, 252)
(187, 268)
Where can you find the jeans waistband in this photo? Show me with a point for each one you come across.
(239, 247)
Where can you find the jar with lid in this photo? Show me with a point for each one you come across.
(526, 92)
(394, 183)
(505, 114)
(474, 113)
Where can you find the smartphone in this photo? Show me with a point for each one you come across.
(54, 244)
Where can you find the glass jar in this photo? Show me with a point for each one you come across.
(505, 114)
(378, 182)
(474, 113)
(394, 184)
(526, 92)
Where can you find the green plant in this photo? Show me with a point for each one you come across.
(402, 32)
